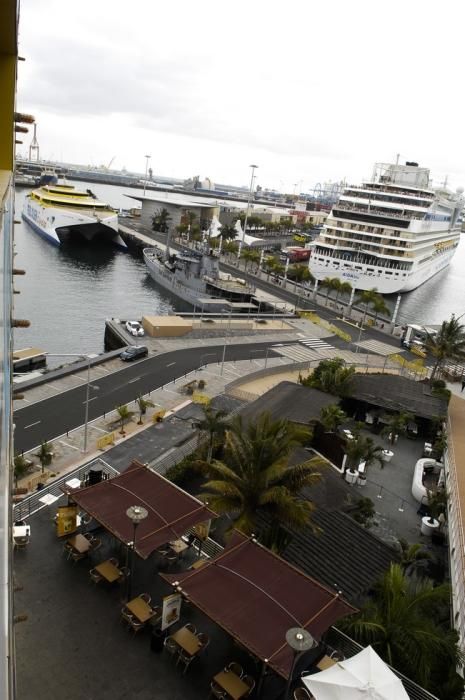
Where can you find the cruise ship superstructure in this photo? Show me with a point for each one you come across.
(60, 212)
(392, 233)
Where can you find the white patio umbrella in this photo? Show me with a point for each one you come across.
(363, 677)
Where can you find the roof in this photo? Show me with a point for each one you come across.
(171, 511)
(398, 394)
(323, 555)
(256, 597)
(294, 402)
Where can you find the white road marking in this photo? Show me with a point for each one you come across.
(66, 444)
(131, 381)
(92, 399)
(171, 364)
(31, 424)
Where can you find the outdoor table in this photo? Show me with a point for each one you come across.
(326, 662)
(187, 640)
(232, 684)
(108, 571)
(140, 609)
(178, 546)
(79, 543)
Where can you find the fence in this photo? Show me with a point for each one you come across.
(32, 504)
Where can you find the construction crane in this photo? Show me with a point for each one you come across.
(110, 163)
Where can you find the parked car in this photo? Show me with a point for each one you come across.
(134, 328)
(134, 352)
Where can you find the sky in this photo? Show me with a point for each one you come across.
(310, 92)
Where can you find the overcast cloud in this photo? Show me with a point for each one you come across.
(308, 91)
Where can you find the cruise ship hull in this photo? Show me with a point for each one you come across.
(397, 284)
(58, 225)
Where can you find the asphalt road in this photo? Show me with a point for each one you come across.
(52, 417)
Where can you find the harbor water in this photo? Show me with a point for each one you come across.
(68, 292)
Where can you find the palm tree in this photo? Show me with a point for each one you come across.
(250, 255)
(412, 556)
(400, 622)
(143, 405)
(255, 475)
(20, 467)
(367, 297)
(214, 425)
(300, 273)
(329, 283)
(228, 233)
(45, 454)
(161, 220)
(331, 376)
(447, 344)
(379, 307)
(331, 417)
(125, 415)
(362, 449)
(342, 288)
(397, 425)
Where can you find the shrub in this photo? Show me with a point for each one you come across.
(201, 384)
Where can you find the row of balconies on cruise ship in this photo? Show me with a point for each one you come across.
(418, 204)
(396, 191)
(397, 214)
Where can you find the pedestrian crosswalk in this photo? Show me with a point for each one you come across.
(316, 344)
(378, 347)
(298, 353)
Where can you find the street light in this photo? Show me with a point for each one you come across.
(88, 386)
(147, 158)
(300, 641)
(249, 197)
(135, 514)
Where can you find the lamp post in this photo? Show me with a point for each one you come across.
(227, 331)
(88, 387)
(300, 641)
(249, 197)
(147, 158)
(135, 514)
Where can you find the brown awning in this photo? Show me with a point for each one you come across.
(256, 597)
(171, 511)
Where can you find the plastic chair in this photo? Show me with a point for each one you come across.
(126, 616)
(217, 691)
(146, 597)
(185, 658)
(192, 628)
(204, 640)
(136, 626)
(302, 694)
(235, 668)
(124, 574)
(114, 561)
(170, 559)
(77, 556)
(170, 646)
(248, 680)
(95, 576)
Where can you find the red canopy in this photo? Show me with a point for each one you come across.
(256, 597)
(171, 511)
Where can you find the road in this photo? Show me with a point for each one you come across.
(52, 417)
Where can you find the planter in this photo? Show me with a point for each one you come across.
(351, 476)
(428, 526)
(387, 455)
(362, 480)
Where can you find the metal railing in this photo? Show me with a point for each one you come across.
(32, 504)
(349, 647)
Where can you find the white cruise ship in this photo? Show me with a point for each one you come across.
(392, 233)
(59, 212)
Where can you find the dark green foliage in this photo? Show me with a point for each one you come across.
(331, 376)
(362, 511)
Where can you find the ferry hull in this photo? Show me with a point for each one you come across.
(57, 227)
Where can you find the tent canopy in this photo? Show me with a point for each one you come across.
(256, 597)
(171, 511)
(365, 676)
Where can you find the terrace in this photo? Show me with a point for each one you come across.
(74, 637)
